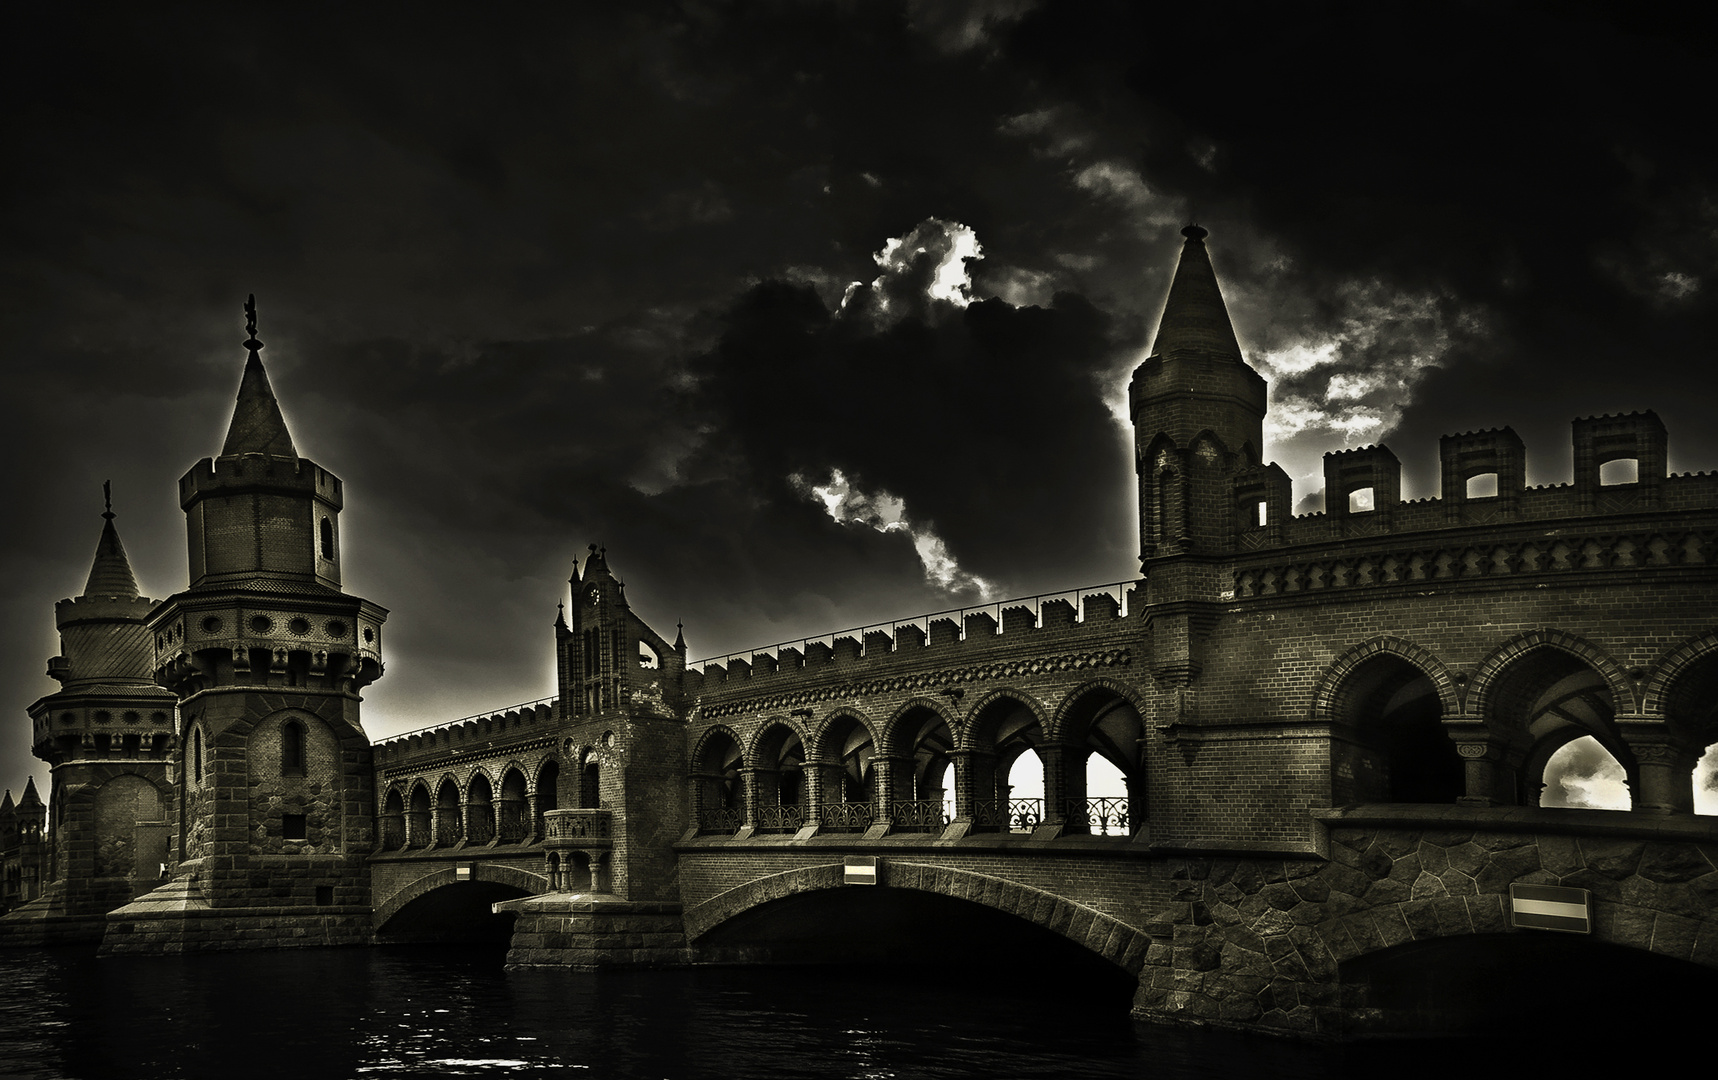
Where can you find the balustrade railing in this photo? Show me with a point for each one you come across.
(1104, 816)
(780, 819)
(721, 819)
(575, 827)
(917, 815)
(1017, 815)
(848, 816)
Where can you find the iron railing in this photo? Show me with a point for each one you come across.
(1101, 815)
(780, 819)
(917, 815)
(847, 816)
(721, 819)
(1017, 815)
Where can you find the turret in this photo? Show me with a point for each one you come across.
(108, 704)
(264, 606)
(1198, 413)
(267, 656)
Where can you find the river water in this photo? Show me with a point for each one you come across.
(317, 1013)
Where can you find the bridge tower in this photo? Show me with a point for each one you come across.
(107, 733)
(266, 655)
(1198, 412)
(624, 744)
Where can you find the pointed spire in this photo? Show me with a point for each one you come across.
(110, 574)
(1194, 318)
(30, 797)
(679, 637)
(257, 427)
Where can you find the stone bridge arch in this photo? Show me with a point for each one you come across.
(1278, 936)
(1101, 934)
(531, 883)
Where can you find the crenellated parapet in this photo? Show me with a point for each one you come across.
(484, 733)
(933, 653)
(1483, 487)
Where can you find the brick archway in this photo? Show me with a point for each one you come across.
(533, 884)
(1327, 696)
(1504, 657)
(1107, 937)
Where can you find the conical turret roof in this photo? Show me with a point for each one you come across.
(257, 427)
(1195, 319)
(110, 574)
(30, 797)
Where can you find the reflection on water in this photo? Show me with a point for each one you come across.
(441, 1012)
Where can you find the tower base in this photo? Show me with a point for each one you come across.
(177, 918)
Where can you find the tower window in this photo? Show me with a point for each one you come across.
(327, 539)
(292, 827)
(1620, 471)
(1482, 486)
(1361, 500)
(292, 749)
(197, 754)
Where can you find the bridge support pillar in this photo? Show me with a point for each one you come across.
(1666, 765)
(1489, 779)
(590, 933)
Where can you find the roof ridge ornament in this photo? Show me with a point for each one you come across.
(251, 341)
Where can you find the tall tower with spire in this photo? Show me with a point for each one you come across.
(1198, 412)
(267, 657)
(108, 734)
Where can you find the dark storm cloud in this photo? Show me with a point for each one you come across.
(1520, 164)
(534, 276)
(989, 416)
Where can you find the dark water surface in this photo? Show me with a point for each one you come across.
(456, 1012)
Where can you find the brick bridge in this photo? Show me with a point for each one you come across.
(1297, 764)
(1262, 845)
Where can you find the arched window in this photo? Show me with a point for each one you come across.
(327, 539)
(292, 748)
(197, 754)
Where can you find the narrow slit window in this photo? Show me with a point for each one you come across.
(292, 749)
(328, 539)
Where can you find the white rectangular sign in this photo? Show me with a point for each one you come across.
(1550, 907)
(860, 870)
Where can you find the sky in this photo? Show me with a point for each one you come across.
(813, 314)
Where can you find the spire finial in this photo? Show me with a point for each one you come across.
(107, 499)
(1194, 232)
(251, 342)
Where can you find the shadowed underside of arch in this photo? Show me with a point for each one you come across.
(532, 884)
(1100, 934)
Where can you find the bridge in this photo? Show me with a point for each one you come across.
(852, 799)
(1306, 775)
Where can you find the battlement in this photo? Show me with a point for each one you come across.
(956, 635)
(1620, 469)
(515, 723)
(238, 473)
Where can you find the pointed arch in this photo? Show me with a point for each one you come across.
(973, 725)
(1481, 694)
(1328, 700)
(1687, 672)
(1103, 719)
